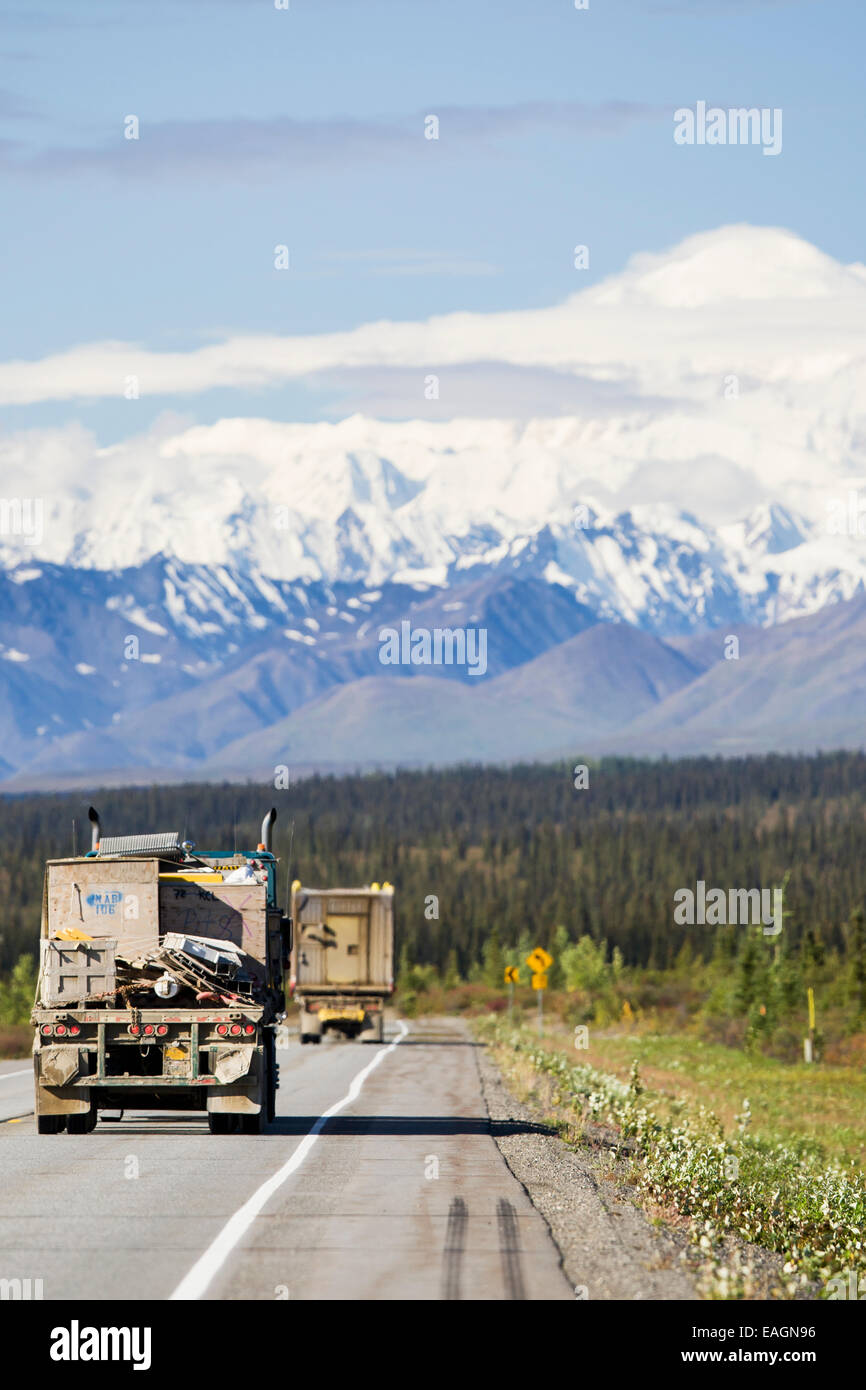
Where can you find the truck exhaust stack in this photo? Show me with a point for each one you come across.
(95, 827)
(267, 828)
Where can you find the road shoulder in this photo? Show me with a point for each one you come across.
(609, 1250)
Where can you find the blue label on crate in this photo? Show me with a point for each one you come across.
(104, 904)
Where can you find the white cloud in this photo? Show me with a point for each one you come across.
(754, 301)
(730, 368)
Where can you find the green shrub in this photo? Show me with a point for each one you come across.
(17, 993)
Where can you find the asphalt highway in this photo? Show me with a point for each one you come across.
(379, 1179)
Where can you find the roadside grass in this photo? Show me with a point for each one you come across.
(818, 1108)
(754, 1174)
(15, 1042)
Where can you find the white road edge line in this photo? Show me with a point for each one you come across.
(208, 1266)
(7, 1075)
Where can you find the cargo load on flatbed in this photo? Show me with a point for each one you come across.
(161, 983)
(343, 959)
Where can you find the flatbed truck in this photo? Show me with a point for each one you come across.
(110, 1040)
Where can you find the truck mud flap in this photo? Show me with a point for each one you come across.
(239, 1069)
(231, 1063)
(59, 1100)
(59, 1065)
(56, 1068)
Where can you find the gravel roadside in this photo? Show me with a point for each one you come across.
(608, 1247)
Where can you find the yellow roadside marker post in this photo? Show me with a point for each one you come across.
(809, 1044)
(511, 978)
(539, 962)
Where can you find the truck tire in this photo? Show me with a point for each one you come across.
(50, 1124)
(83, 1123)
(265, 1095)
(271, 1076)
(220, 1123)
(376, 1033)
(310, 1026)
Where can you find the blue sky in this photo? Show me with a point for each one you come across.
(260, 126)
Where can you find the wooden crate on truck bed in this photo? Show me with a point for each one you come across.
(105, 897)
(73, 971)
(235, 912)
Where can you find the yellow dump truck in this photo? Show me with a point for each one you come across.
(343, 959)
(161, 983)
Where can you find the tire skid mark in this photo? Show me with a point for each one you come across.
(509, 1249)
(455, 1244)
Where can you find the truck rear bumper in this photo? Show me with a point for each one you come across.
(151, 1083)
(363, 1003)
(350, 1015)
(328, 1014)
(109, 1066)
(150, 1093)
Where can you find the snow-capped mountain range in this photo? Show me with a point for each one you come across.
(168, 597)
(166, 664)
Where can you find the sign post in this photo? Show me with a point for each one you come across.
(809, 1043)
(539, 962)
(511, 978)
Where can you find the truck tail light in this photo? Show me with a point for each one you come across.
(235, 1029)
(148, 1028)
(46, 1030)
(60, 1030)
(134, 1029)
(74, 1030)
(161, 1029)
(222, 1029)
(249, 1028)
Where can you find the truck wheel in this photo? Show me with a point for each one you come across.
(265, 1096)
(79, 1124)
(49, 1124)
(377, 1032)
(219, 1123)
(271, 1077)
